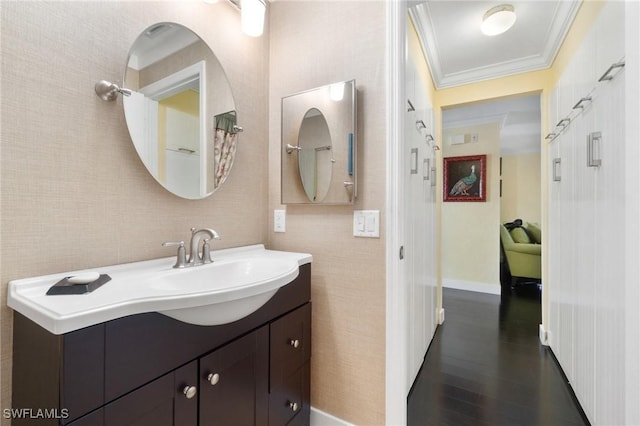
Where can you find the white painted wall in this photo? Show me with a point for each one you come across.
(520, 188)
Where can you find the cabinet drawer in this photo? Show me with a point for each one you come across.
(289, 399)
(290, 343)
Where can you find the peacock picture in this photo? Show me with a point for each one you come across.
(463, 185)
(464, 178)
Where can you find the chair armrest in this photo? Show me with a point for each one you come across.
(524, 248)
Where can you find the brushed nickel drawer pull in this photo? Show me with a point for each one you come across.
(295, 343)
(213, 378)
(190, 391)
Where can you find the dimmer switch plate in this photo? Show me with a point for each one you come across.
(279, 220)
(366, 223)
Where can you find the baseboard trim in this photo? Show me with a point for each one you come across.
(472, 286)
(544, 336)
(320, 418)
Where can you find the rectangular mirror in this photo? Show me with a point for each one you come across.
(319, 145)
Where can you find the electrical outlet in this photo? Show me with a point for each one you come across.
(279, 220)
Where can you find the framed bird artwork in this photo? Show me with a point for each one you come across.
(465, 178)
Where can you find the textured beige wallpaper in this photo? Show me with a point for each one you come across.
(73, 192)
(337, 41)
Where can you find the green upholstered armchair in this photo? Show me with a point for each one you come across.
(522, 249)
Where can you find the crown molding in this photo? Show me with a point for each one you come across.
(561, 23)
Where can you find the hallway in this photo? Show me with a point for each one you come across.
(486, 366)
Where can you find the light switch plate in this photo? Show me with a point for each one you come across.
(279, 220)
(366, 223)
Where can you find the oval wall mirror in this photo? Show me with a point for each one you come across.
(181, 113)
(315, 158)
(319, 145)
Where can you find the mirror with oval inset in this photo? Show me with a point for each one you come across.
(319, 145)
(181, 113)
(315, 157)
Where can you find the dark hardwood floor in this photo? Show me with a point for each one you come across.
(486, 366)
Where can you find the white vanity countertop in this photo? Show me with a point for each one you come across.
(126, 293)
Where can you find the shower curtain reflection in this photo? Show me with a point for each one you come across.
(224, 146)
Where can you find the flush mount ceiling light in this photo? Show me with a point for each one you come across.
(498, 20)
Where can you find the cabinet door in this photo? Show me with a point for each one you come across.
(234, 382)
(162, 402)
(290, 354)
(95, 418)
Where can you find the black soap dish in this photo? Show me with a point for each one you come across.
(64, 286)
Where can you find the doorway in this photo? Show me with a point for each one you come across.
(508, 132)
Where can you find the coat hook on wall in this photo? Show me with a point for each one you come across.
(108, 91)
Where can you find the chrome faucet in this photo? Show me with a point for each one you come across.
(198, 257)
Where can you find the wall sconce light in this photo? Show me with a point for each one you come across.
(252, 16)
(498, 20)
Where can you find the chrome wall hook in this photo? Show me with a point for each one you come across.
(108, 91)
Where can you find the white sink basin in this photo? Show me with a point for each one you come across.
(235, 287)
(237, 283)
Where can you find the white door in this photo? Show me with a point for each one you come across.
(419, 220)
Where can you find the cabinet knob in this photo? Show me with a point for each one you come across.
(295, 343)
(293, 406)
(213, 378)
(190, 391)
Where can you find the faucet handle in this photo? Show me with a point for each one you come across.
(206, 252)
(181, 260)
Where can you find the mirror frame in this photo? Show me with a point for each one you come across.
(340, 115)
(207, 69)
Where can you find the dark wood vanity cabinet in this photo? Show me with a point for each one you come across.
(151, 370)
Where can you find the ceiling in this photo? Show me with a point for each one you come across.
(518, 118)
(458, 53)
